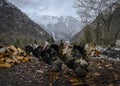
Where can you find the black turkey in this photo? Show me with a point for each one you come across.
(37, 52)
(29, 49)
(81, 50)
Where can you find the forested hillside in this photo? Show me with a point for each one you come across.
(16, 28)
(105, 29)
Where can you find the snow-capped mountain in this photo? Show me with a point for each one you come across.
(45, 20)
(64, 27)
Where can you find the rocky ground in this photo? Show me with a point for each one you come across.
(102, 72)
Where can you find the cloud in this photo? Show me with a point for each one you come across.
(46, 7)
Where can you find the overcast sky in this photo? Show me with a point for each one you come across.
(46, 7)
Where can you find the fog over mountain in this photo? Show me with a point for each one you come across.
(63, 27)
(58, 16)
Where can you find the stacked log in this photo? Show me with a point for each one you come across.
(11, 55)
(91, 50)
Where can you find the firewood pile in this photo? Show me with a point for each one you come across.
(11, 55)
(92, 50)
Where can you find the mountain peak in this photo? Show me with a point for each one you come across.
(64, 26)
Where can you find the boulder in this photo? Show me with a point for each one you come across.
(3, 49)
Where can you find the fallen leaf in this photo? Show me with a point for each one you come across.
(40, 71)
(97, 74)
(111, 84)
(74, 80)
(109, 65)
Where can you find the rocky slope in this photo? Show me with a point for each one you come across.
(16, 28)
(103, 30)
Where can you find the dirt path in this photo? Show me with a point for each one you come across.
(101, 73)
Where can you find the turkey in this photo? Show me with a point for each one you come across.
(37, 52)
(81, 50)
(57, 64)
(67, 57)
(29, 49)
(49, 52)
(45, 54)
(81, 68)
(75, 58)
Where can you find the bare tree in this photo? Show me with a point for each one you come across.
(89, 9)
